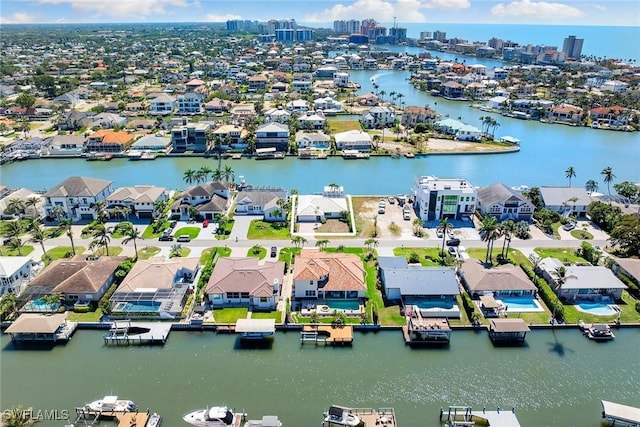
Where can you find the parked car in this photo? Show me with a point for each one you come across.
(454, 241)
(439, 234)
(173, 224)
(184, 238)
(6, 241)
(274, 251)
(569, 226)
(381, 209)
(205, 223)
(392, 201)
(166, 238)
(452, 251)
(406, 215)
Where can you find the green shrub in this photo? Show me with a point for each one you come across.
(105, 304)
(638, 306)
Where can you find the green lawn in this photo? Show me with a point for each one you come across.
(276, 315)
(581, 234)
(225, 251)
(429, 257)
(337, 126)
(262, 230)
(119, 228)
(225, 231)
(286, 255)
(628, 313)
(149, 234)
(7, 251)
(515, 255)
(148, 252)
(92, 316)
(61, 251)
(230, 315)
(258, 252)
(563, 254)
(184, 252)
(113, 251)
(187, 231)
(24, 223)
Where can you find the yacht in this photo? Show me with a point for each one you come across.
(340, 416)
(213, 417)
(112, 404)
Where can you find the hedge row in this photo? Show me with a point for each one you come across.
(546, 293)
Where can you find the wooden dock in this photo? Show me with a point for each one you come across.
(137, 333)
(123, 419)
(327, 334)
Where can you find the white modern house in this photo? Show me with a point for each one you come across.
(77, 197)
(15, 273)
(436, 198)
(504, 203)
(162, 105)
(141, 200)
(353, 140)
(279, 115)
(566, 200)
(375, 117)
(189, 103)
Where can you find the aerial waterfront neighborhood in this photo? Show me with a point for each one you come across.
(219, 254)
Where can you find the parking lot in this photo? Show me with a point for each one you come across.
(391, 215)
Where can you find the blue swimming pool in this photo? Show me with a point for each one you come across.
(141, 306)
(443, 304)
(596, 308)
(519, 303)
(335, 304)
(40, 305)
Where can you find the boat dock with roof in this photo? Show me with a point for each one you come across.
(425, 330)
(620, 415)
(124, 332)
(327, 334)
(254, 329)
(41, 328)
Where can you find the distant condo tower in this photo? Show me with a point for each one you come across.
(572, 47)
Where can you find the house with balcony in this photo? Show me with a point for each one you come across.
(261, 201)
(504, 203)
(312, 141)
(243, 112)
(327, 105)
(140, 200)
(109, 141)
(435, 198)
(567, 201)
(576, 283)
(27, 210)
(189, 103)
(353, 140)
(301, 86)
(217, 106)
(258, 83)
(273, 135)
(412, 115)
(278, 115)
(231, 136)
(162, 105)
(76, 197)
(15, 273)
(190, 137)
(612, 116)
(245, 282)
(297, 106)
(452, 90)
(204, 201)
(319, 276)
(66, 145)
(378, 117)
(565, 113)
(312, 120)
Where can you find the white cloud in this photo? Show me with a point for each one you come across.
(383, 11)
(600, 7)
(123, 8)
(212, 17)
(448, 4)
(18, 18)
(536, 9)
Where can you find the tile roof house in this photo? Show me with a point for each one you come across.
(108, 141)
(629, 267)
(506, 279)
(77, 279)
(412, 115)
(209, 199)
(257, 201)
(320, 275)
(140, 199)
(77, 196)
(504, 203)
(245, 282)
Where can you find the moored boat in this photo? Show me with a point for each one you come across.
(213, 417)
(111, 404)
(338, 416)
(154, 420)
(596, 331)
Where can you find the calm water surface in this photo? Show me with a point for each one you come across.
(556, 379)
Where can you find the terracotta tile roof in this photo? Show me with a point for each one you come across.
(245, 275)
(342, 271)
(112, 137)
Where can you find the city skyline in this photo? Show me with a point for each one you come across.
(552, 12)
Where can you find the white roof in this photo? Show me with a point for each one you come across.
(352, 136)
(256, 325)
(10, 265)
(620, 412)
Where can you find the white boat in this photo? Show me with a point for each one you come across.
(340, 416)
(213, 417)
(154, 420)
(596, 331)
(266, 421)
(112, 404)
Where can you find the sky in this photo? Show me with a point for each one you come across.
(553, 12)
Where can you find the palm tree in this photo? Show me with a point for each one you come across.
(132, 235)
(228, 173)
(58, 212)
(217, 175)
(445, 227)
(13, 229)
(417, 226)
(298, 241)
(65, 226)
(570, 173)
(39, 235)
(608, 177)
(591, 186)
(371, 244)
(189, 176)
(176, 251)
(16, 243)
(488, 233)
(15, 206)
(508, 228)
(18, 417)
(205, 171)
(101, 237)
(322, 244)
(255, 249)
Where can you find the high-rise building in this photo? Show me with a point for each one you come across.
(400, 34)
(572, 47)
(424, 35)
(441, 36)
(346, 27)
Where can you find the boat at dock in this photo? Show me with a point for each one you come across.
(111, 404)
(216, 416)
(354, 155)
(620, 415)
(596, 331)
(99, 156)
(154, 420)
(338, 416)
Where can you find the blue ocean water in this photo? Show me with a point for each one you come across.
(602, 41)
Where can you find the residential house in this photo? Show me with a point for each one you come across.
(575, 283)
(159, 285)
(217, 106)
(206, 201)
(312, 140)
(435, 198)
(565, 113)
(504, 203)
(353, 140)
(194, 84)
(468, 133)
(258, 83)
(319, 208)
(261, 201)
(301, 86)
(412, 115)
(135, 108)
(327, 105)
(629, 267)
(108, 121)
(154, 143)
(77, 197)
(321, 275)
(273, 135)
(566, 200)
(231, 136)
(312, 120)
(612, 116)
(341, 79)
(245, 282)
(368, 99)
(505, 280)
(452, 90)
(162, 105)
(297, 106)
(108, 141)
(424, 287)
(243, 111)
(74, 120)
(141, 200)
(66, 145)
(190, 137)
(189, 103)
(78, 279)
(15, 273)
(278, 115)
(24, 195)
(378, 117)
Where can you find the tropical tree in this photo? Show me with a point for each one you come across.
(132, 235)
(13, 229)
(508, 229)
(298, 241)
(445, 227)
(205, 171)
(322, 244)
(217, 175)
(8, 307)
(417, 226)
(591, 186)
(371, 244)
(15, 206)
(18, 417)
(489, 233)
(570, 173)
(39, 235)
(16, 243)
(65, 226)
(176, 251)
(255, 249)
(189, 176)
(58, 212)
(627, 189)
(32, 202)
(102, 238)
(608, 177)
(228, 173)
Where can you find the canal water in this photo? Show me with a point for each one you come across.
(558, 378)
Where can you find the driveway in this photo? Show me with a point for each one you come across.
(241, 226)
